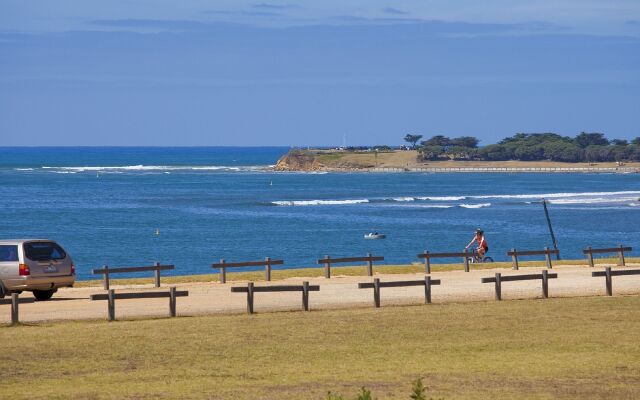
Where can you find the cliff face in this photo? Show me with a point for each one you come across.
(296, 160)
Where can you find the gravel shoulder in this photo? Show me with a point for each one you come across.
(337, 292)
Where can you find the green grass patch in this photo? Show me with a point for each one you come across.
(541, 349)
(329, 157)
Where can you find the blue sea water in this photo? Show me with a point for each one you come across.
(105, 205)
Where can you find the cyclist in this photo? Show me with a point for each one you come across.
(483, 247)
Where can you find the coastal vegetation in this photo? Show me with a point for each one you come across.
(584, 147)
(554, 348)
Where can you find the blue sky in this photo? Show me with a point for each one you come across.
(141, 72)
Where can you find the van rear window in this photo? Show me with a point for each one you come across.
(43, 251)
(8, 253)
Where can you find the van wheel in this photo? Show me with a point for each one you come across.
(42, 295)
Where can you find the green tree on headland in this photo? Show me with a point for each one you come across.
(589, 147)
(591, 139)
(413, 139)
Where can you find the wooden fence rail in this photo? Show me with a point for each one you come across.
(15, 302)
(105, 271)
(519, 253)
(328, 261)
(427, 282)
(620, 250)
(498, 279)
(608, 274)
(111, 297)
(428, 256)
(250, 289)
(267, 263)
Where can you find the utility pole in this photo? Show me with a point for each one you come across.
(553, 237)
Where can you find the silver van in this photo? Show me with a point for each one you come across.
(36, 265)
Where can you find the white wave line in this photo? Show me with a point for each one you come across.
(318, 202)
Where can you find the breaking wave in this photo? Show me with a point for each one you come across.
(584, 198)
(555, 195)
(318, 202)
(475, 205)
(154, 168)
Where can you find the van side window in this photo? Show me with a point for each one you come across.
(8, 253)
(43, 251)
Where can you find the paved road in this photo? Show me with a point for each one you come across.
(337, 292)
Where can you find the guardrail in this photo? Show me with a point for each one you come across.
(105, 271)
(250, 289)
(608, 274)
(111, 297)
(498, 279)
(377, 285)
(327, 261)
(519, 253)
(267, 263)
(428, 256)
(620, 250)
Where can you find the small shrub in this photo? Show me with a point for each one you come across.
(418, 391)
(364, 395)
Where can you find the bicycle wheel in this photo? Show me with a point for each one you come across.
(487, 260)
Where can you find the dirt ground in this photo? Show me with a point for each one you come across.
(337, 292)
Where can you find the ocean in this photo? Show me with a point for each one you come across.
(193, 206)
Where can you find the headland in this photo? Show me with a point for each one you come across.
(338, 160)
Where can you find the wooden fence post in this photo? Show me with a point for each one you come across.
(172, 301)
(112, 305)
(157, 274)
(376, 292)
(15, 301)
(250, 298)
(466, 261)
(427, 263)
(106, 277)
(370, 265)
(305, 295)
(223, 272)
(498, 286)
(427, 289)
(620, 256)
(608, 281)
(267, 269)
(590, 256)
(327, 267)
(547, 257)
(514, 260)
(545, 283)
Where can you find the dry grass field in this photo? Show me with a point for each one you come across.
(569, 348)
(407, 159)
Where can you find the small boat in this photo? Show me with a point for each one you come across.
(375, 235)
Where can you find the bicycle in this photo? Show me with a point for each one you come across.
(475, 258)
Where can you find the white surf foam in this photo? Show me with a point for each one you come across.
(475, 205)
(162, 168)
(436, 206)
(556, 195)
(404, 199)
(319, 202)
(592, 200)
(442, 198)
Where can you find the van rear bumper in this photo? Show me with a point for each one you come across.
(29, 283)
